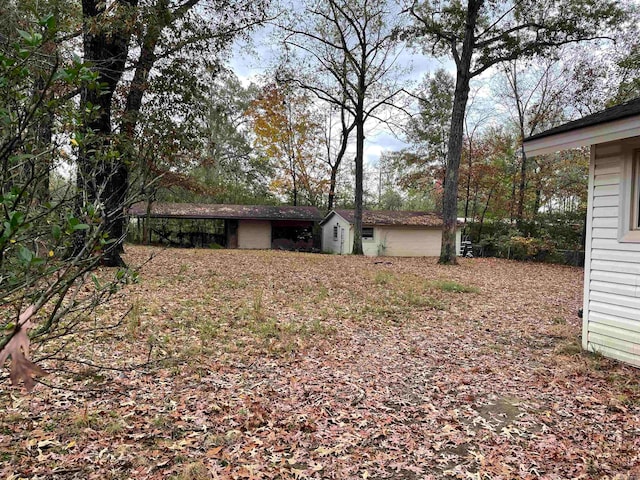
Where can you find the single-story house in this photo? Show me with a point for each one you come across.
(611, 310)
(236, 226)
(385, 233)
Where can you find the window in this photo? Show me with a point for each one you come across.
(629, 196)
(367, 233)
(635, 192)
(335, 232)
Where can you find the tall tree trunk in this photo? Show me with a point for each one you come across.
(295, 184)
(332, 187)
(35, 170)
(146, 231)
(468, 189)
(103, 176)
(450, 200)
(468, 193)
(521, 189)
(484, 212)
(512, 202)
(536, 205)
(357, 222)
(143, 68)
(474, 209)
(454, 148)
(344, 143)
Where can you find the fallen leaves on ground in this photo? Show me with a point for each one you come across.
(275, 365)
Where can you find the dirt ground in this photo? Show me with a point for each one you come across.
(277, 365)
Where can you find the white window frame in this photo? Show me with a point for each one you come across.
(635, 192)
(629, 204)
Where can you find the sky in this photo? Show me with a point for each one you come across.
(251, 60)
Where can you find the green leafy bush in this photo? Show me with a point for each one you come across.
(52, 236)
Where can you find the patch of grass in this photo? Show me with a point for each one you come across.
(598, 361)
(383, 277)
(626, 399)
(416, 298)
(133, 318)
(452, 286)
(495, 347)
(317, 327)
(434, 304)
(253, 318)
(87, 420)
(323, 293)
(114, 427)
(89, 374)
(569, 348)
(237, 284)
(11, 418)
(265, 329)
(384, 311)
(193, 471)
(257, 306)
(208, 329)
(220, 439)
(278, 337)
(161, 421)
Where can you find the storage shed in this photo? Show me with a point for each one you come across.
(611, 312)
(385, 233)
(231, 226)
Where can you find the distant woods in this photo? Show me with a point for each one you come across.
(151, 109)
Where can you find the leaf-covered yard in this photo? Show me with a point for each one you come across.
(283, 365)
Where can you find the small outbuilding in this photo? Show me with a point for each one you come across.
(230, 226)
(385, 233)
(611, 310)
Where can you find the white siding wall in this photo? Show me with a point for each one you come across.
(410, 242)
(397, 241)
(611, 322)
(371, 248)
(254, 234)
(341, 244)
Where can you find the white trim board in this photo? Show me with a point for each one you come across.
(580, 137)
(588, 249)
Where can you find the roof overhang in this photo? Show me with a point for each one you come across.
(219, 217)
(581, 137)
(331, 214)
(202, 211)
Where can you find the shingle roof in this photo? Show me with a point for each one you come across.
(619, 112)
(222, 211)
(392, 217)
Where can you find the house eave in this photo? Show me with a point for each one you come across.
(327, 217)
(581, 137)
(219, 217)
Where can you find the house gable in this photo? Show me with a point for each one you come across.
(337, 236)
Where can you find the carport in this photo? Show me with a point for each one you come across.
(228, 226)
